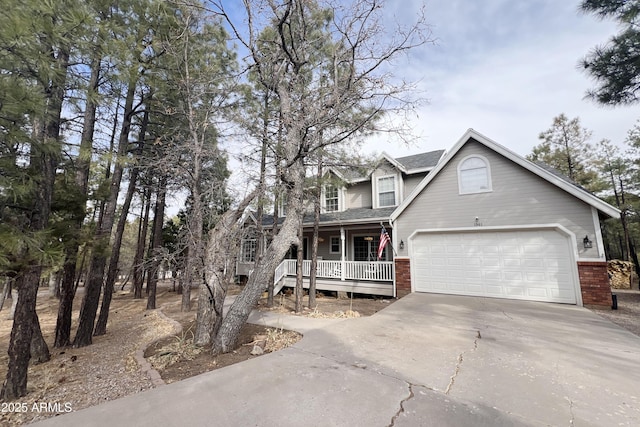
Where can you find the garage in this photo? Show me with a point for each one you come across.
(530, 264)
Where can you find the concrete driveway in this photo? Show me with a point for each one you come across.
(426, 360)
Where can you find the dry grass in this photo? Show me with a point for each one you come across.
(182, 348)
(277, 339)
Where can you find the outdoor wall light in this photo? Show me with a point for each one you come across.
(401, 244)
(586, 242)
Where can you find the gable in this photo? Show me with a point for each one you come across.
(518, 198)
(473, 137)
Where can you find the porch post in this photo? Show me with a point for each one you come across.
(343, 264)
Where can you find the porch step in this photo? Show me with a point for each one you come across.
(278, 287)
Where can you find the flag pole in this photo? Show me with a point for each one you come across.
(390, 241)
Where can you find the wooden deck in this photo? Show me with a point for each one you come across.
(355, 286)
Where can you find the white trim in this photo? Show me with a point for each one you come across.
(598, 231)
(243, 253)
(573, 250)
(487, 166)
(343, 264)
(376, 193)
(331, 244)
(393, 161)
(375, 235)
(537, 170)
(592, 260)
(323, 198)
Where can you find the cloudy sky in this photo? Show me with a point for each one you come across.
(505, 68)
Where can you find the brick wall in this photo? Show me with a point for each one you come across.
(403, 277)
(594, 283)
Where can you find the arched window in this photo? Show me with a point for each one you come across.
(474, 175)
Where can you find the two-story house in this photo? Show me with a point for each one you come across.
(476, 220)
(354, 205)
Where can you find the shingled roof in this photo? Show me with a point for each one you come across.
(421, 161)
(344, 217)
(414, 163)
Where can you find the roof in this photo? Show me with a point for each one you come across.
(543, 172)
(421, 161)
(415, 163)
(350, 216)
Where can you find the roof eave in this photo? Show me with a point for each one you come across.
(580, 194)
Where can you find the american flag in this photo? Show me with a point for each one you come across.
(384, 239)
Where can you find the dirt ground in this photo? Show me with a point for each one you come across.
(628, 313)
(77, 378)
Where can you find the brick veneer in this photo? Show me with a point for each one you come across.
(403, 277)
(594, 283)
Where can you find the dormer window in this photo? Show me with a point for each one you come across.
(386, 187)
(474, 175)
(331, 198)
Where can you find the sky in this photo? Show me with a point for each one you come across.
(505, 68)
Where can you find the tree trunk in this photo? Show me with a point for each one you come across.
(223, 244)
(138, 261)
(314, 245)
(38, 348)
(158, 220)
(299, 271)
(6, 291)
(67, 294)
(15, 384)
(227, 335)
(101, 325)
(83, 164)
(100, 253)
(43, 164)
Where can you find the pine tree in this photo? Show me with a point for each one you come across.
(615, 66)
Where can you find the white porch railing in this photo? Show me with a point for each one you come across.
(379, 271)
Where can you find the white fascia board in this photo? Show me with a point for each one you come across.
(393, 161)
(580, 194)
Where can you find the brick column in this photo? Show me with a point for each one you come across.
(403, 276)
(594, 283)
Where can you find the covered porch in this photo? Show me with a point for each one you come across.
(375, 277)
(347, 260)
(347, 254)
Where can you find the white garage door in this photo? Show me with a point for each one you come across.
(525, 264)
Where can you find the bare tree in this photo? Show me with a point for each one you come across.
(328, 67)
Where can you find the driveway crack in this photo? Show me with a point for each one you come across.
(402, 402)
(459, 361)
(573, 416)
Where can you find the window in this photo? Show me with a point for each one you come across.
(386, 191)
(474, 175)
(334, 245)
(331, 198)
(365, 248)
(248, 250)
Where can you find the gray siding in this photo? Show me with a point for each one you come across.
(518, 198)
(359, 195)
(385, 168)
(411, 182)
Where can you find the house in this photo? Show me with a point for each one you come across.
(479, 220)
